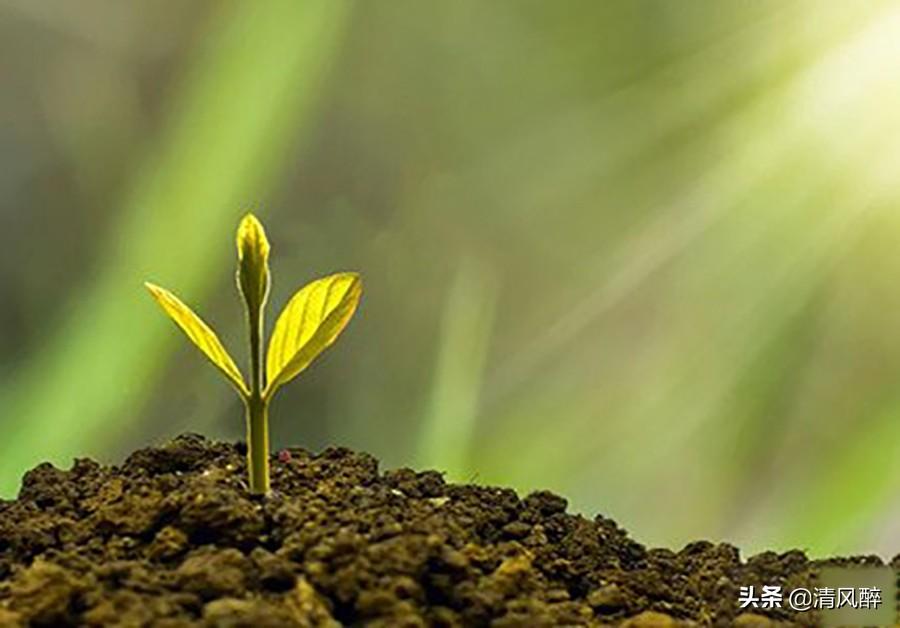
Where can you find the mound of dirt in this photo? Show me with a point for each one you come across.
(172, 538)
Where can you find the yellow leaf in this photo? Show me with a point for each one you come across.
(200, 334)
(309, 324)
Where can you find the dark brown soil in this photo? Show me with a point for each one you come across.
(172, 538)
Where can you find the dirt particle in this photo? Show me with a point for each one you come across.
(230, 612)
(45, 593)
(9, 619)
(607, 599)
(516, 529)
(546, 503)
(752, 620)
(308, 607)
(275, 573)
(169, 543)
(650, 619)
(211, 574)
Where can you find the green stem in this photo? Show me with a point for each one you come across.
(255, 320)
(258, 444)
(257, 410)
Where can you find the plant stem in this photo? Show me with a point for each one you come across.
(258, 444)
(257, 410)
(255, 320)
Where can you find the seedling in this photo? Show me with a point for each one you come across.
(309, 324)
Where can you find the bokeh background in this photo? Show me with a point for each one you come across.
(644, 254)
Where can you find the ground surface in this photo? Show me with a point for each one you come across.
(172, 538)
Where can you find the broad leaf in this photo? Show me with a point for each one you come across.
(200, 334)
(309, 324)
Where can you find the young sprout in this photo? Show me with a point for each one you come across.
(309, 324)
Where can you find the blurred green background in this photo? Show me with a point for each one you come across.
(644, 254)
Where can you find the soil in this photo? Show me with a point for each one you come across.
(172, 538)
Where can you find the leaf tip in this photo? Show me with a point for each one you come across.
(355, 279)
(153, 289)
(251, 238)
(357, 284)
